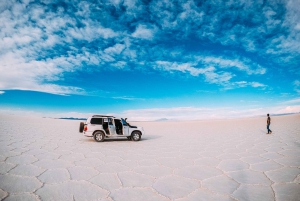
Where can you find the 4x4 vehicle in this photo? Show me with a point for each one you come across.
(101, 127)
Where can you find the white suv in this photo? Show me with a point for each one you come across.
(101, 126)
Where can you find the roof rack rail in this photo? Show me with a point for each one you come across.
(100, 115)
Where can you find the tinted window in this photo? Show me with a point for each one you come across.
(118, 122)
(124, 122)
(110, 121)
(96, 121)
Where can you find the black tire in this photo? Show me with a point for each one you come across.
(81, 126)
(99, 136)
(135, 136)
(129, 138)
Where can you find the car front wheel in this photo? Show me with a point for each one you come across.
(99, 136)
(136, 136)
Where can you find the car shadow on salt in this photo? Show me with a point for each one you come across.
(91, 139)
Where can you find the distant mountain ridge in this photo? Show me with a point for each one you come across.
(72, 118)
(163, 119)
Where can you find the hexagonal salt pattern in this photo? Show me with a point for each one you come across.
(22, 197)
(222, 184)
(205, 195)
(27, 170)
(71, 190)
(108, 181)
(136, 194)
(289, 191)
(3, 194)
(175, 187)
(254, 193)
(224, 160)
(54, 176)
(19, 184)
(133, 179)
(283, 175)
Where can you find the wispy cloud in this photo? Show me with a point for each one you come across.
(143, 32)
(191, 113)
(178, 113)
(17, 73)
(175, 113)
(214, 70)
(293, 101)
(243, 65)
(183, 67)
(2, 92)
(127, 98)
(41, 42)
(242, 84)
(297, 86)
(289, 109)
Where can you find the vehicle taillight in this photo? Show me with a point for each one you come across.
(85, 128)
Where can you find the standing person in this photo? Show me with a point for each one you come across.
(268, 124)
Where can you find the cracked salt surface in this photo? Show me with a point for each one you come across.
(214, 160)
(22, 197)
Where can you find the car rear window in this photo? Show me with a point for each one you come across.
(96, 121)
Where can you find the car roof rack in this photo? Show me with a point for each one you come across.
(100, 115)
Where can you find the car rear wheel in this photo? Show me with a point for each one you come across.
(99, 136)
(81, 126)
(135, 136)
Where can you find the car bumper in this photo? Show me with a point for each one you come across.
(88, 134)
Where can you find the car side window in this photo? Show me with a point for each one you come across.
(124, 122)
(118, 123)
(96, 121)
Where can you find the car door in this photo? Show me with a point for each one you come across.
(111, 127)
(125, 127)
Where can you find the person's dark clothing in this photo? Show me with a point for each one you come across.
(268, 125)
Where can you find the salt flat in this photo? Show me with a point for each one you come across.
(48, 159)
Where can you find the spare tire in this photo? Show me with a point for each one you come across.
(81, 126)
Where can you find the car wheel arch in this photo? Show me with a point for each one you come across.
(98, 131)
(136, 131)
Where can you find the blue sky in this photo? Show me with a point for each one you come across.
(147, 60)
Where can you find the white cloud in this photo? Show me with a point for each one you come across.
(143, 32)
(242, 65)
(297, 83)
(17, 73)
(2, 92)
(174, 113)
(90, 32)
(213, 70)
(116, 49)
(115, 2)
(127, 98)
(241, 84)
(218, 78)
(257, 84)
(289, 109)
(190, 113)
(184, 67)
(29, 32)
(293, 101)
(180, 113)
(130, 4)
(119, 64)
(297, 86)
(31, 113)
